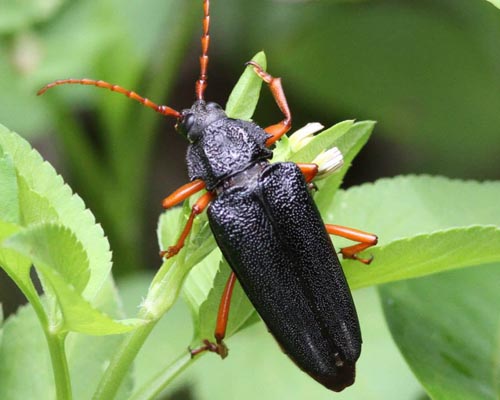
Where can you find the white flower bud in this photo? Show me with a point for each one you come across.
(328, 162)
(304, 135)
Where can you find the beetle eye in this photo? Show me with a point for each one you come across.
(213, 106)
(188, 122)
(185, 124)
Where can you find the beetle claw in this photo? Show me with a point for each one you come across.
(354, 256)
(218, 348)
(170, 252)
(365, 261)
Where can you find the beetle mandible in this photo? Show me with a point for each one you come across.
(268, 228)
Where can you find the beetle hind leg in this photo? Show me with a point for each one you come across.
(219, 347)
(365, 240)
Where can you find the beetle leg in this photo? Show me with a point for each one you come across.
(366, 240)
(282, 127)
(308, 170)
(197, 209)
(183, 193)
(223, 314)
(220, 328)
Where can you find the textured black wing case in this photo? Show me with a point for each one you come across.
(274, 239)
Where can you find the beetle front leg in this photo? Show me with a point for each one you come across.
(184, 192)
(366, 240)
(197, 209)
(279, 129)
(219, 346)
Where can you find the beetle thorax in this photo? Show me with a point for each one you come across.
(221, 146)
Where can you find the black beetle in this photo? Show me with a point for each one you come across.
(268, 229)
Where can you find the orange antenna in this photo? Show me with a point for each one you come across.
(201, 83)
(165, 110)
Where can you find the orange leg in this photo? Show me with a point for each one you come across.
(279, 129)
(183, 193)
(366, 240)
(220, 328)
(308, 170)
(197, 209)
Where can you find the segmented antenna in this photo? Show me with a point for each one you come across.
(165, 110)
(201, 83)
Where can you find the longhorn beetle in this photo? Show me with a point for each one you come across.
(268, 228)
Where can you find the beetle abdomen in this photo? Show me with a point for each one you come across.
(274, 239)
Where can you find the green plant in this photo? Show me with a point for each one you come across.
(426, 225)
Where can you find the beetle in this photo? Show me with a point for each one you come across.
(268, 228)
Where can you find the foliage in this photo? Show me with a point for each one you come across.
(426, 225)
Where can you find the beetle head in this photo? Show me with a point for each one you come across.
(194, 120)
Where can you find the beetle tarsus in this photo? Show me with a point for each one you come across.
(348, 255)
(219, 348)
(170, 252)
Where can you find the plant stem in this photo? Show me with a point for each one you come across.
(57, 352)
(159, 382)
(120, 363)
(60, 366)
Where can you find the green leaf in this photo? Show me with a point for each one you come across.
(350, 144)
(61, 238)
(169, 226)
(324, 140)
(245, 95)
(63, 267)
(53, 246)
(407, 206)
(14, 264)
(427, 254)
(34, 206)
(44, 197)
(199, 283)
(496, 3)
(447, 327)
(414, 217)
(81, 316)
(24, 358)
(9, 202)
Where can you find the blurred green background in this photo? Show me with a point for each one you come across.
(427, 71)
